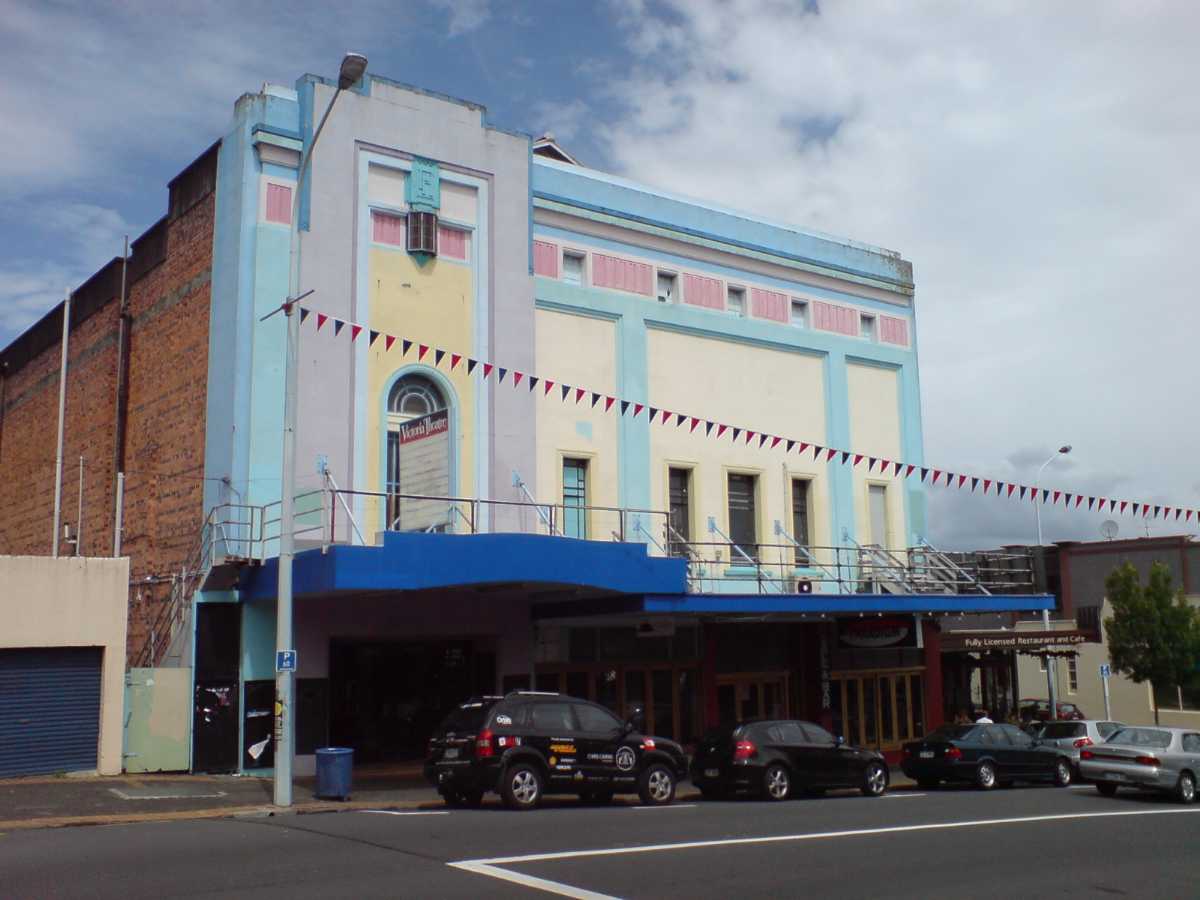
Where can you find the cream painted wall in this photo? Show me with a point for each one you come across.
(1130, 702)
(433, 304)
(874, 396)
(781, 392)
(578, 350)
(385, 185)
(73, 602)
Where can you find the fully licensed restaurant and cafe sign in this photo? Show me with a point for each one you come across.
(1022, 641)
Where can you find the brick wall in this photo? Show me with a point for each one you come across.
(168, 305)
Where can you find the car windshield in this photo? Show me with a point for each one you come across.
(467, 717)
(1053, 731)
(950, 733)
(1141, 737)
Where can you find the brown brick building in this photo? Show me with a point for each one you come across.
(135, 402)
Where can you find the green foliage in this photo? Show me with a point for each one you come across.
(1153, 634)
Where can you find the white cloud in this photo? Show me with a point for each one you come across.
(1034, 161)
(563, 120)
(464, 15)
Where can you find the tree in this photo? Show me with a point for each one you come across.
(1153, 633)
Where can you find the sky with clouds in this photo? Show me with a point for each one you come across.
(1035, 161)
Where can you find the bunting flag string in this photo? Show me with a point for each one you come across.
(716, 430)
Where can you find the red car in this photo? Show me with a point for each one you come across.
(1039, 711)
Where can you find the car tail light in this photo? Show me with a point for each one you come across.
(744, 750)
(1086, 754)
(953, 753)
(1148, 761)
(483, 744)
(1083, 742)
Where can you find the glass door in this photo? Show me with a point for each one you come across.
(744, 697)
(880, 710)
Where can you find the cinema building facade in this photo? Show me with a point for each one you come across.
(556, 429)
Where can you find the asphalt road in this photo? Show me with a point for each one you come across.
(1028, 843)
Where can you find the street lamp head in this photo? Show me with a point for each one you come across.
(1065, 448)
(353, 66)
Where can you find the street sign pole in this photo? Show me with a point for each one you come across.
(1105, 672)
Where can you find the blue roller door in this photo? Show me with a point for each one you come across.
(49, 710)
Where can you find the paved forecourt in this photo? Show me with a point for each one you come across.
(1029, 842)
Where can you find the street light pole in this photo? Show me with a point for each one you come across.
(1051, 667)
(353, 66)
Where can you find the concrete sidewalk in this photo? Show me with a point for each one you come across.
(63, 801)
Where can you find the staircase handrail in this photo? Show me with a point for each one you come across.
(949, 563)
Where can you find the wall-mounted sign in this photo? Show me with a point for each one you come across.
(423, 449)
(1025, 641)
(889, 631)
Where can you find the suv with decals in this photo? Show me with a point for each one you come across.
(528, 744)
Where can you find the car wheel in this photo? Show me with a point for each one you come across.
(1062, 773)
(985, 776)
(521, 787)
(656, 786)
(777, 784)
(875, 780)
(1108, 790)
(928, 784)
(1185, 788)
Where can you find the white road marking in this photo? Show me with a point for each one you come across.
(490, 867)
(902, 795)
(399, 812)
(669, 806)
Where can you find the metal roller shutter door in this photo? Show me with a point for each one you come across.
(49, 710)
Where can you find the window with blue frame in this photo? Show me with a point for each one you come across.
(574, 502)
(743, 516)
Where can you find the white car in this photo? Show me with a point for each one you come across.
(1166, 760)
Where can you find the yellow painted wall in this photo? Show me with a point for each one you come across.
(875, 431)
(433, 303)
(73, 602)
(778, 391)
(579, 350)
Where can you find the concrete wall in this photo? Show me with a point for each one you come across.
(73, 602)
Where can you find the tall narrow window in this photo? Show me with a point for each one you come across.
(666, 287)
(1072, 675)
(680, 491)
(867, 329)
(735, 301)
(572, 267)
(800, 494)
(574, 520)
(743, 516)
(418, 455)
(877, 496)
(799, 314)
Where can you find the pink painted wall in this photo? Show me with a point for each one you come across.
(766, 304)
(893, 330)
(387, 229)
(622, 274)
(279, 204)
(545, 259)
(452, 242)
(835, 318)
(701, 291)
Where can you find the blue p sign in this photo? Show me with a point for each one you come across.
(285, 660)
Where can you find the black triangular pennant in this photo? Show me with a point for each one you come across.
(736, 432)
(1045, 494)
(790, 445)
(845, 457)
(653, 413)
(438, 356)
(533, 380)
(374, 337)
(471, 364)
(624, 407)
(680, 418)
(405, 346)
(338, 325)
(566, 389)
(503, 372)
(924, 473)
(762, 439)
(595, 399)
(303, 315)
(708, 427)
(974, 484)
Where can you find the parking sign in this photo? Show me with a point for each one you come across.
(285, 660)
(1105, 671)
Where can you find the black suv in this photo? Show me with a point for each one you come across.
(527, 744)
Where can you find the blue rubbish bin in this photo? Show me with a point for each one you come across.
(335, 766)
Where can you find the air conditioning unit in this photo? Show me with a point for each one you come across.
(797, 585)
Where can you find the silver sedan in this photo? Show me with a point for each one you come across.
(1166, 760)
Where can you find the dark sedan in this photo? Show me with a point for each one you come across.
(983, 755)
(775, 759)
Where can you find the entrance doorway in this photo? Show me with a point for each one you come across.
(879, 709)
(754, 696)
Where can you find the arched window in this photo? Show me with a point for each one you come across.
(418, 455)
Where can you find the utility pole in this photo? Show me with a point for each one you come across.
(1051, 667)
(62, 408)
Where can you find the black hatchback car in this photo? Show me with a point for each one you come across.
(526, 744)
(983, 755)
(774, 759)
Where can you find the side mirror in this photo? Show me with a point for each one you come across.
(636, 720)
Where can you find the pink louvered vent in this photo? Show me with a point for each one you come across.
(387, 229)
(545, 259)
(769, 305)
(893, 330)
(622, 274)
(828, 317)
(279, 204)
(452, 242)
(701, 291)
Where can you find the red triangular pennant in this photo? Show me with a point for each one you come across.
(962, 479)
(579, 392)
(355, 331)
(987, 485)
(695, 422)
(549, 385)
(829, 454)
(608, 403)
(487, 369)
(637, 409)
(455, 359)
(857, 458)
(721, 429)
(422, 349)
(388, 340)
(775, 441)
(321, 320)
(374, 338)
(1057, 494)
(517, 376)
(908, 470)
